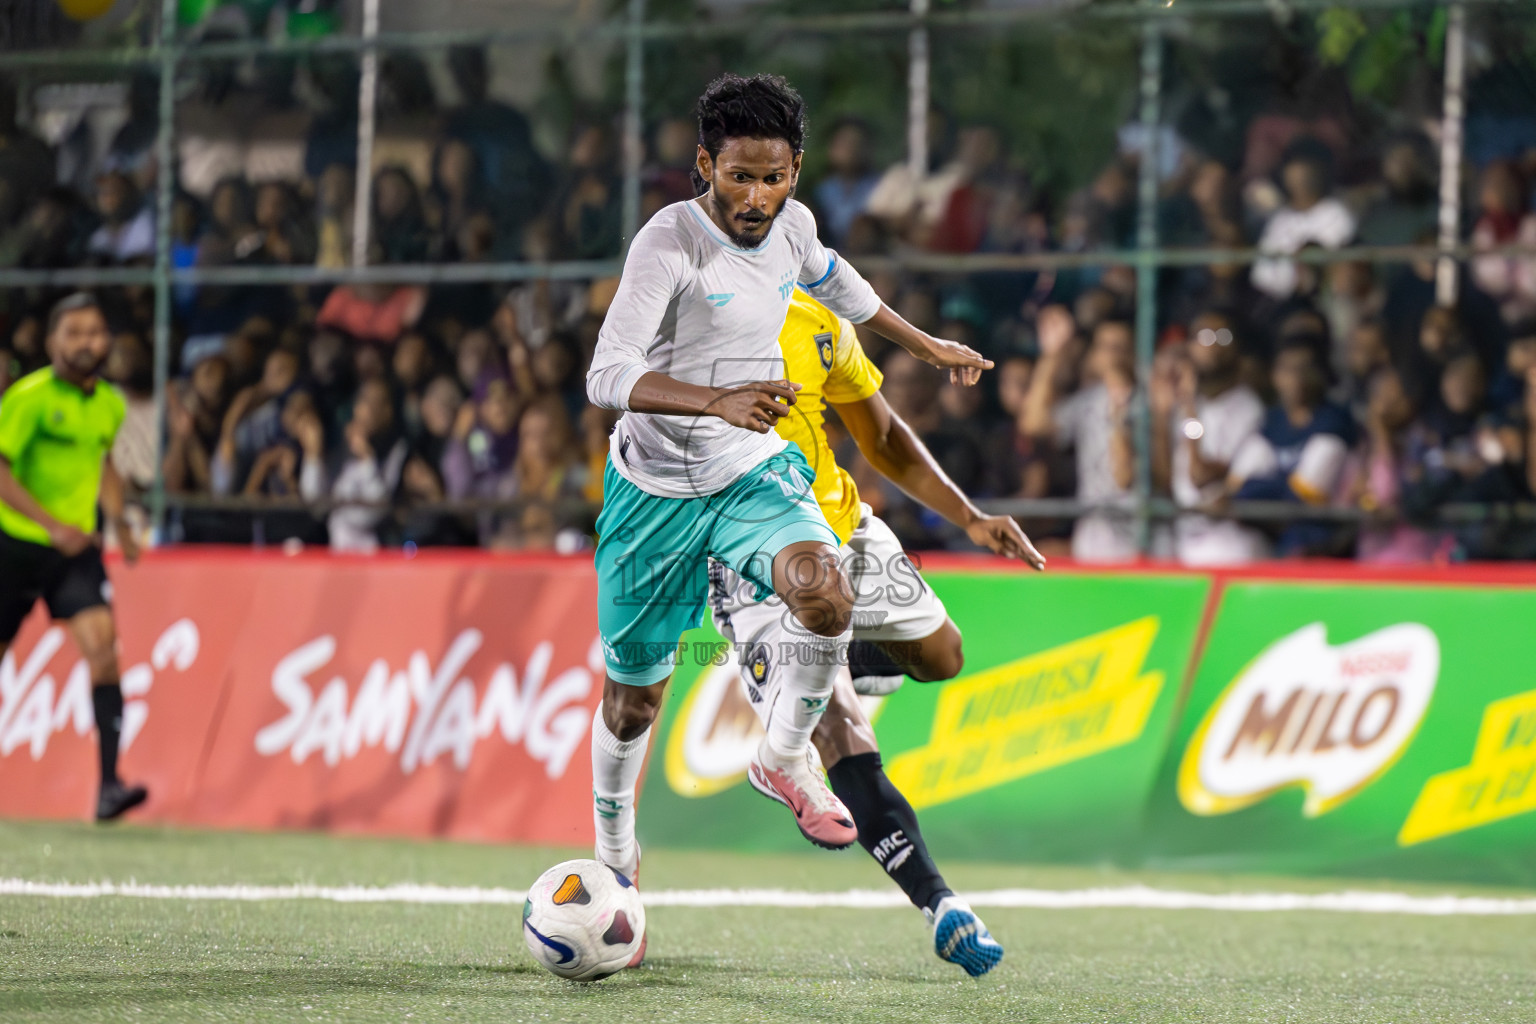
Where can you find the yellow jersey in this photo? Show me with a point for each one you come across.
(823, 355)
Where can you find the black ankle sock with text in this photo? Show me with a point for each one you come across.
(888, 827)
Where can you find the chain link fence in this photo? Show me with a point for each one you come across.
(1259, 277)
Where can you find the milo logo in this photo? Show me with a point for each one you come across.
(1327, 719)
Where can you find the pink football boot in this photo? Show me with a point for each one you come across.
(795, 783)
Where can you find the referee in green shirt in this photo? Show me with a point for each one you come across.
(56, 430)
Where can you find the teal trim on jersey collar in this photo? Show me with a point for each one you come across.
(719, 236)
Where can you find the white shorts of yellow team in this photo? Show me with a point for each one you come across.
(892, 604)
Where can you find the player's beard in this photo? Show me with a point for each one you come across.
(741, 240)
(84, 364)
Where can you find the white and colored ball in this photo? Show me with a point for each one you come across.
(583, 920)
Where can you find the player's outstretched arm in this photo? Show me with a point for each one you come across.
(895, 450)
(755, 406)
(963, 362)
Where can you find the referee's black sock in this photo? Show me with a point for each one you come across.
(888, 827)
(107, 699)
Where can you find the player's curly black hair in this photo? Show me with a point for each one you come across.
(760, 107)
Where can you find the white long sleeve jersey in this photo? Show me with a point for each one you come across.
(698, 308)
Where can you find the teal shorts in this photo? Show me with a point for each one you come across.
(653, 555)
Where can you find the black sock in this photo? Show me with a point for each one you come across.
(108, 701)
(888, 827)
(866, 658)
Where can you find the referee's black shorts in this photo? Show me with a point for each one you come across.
(67, 585)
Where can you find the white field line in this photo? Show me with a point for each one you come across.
(1131, 897)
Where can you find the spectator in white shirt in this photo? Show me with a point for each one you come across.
(128, 228)
(1310, 217)
(369, 472)
(1203, 414)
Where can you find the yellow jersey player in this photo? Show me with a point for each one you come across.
(900, 627)
(56, 429)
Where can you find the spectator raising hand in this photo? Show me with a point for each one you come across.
(1095, 423)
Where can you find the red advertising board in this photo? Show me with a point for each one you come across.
(447, 696)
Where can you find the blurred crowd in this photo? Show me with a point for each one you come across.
(455, 413)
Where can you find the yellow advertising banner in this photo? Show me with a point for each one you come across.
(1044, 710)
(1499, 783)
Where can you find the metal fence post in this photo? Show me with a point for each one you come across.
(1452, 144)
(919, 62)
(1146, 273)
(634, 111)
(165, 193)
(367, 113)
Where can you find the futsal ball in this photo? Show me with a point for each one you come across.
(583, 920)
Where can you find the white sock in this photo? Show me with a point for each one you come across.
(616, 768)
(809, 666)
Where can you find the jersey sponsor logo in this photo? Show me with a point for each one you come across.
(58, 433)
(1036, 713)
(1498, 783)
(422, 712)
(824, 350)
(34, 706)
(719, 299)
(1304, 713)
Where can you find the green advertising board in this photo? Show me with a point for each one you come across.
(1357, 728)
(1045, 747)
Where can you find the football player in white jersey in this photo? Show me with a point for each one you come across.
(690, 351)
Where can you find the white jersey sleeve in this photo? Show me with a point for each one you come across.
(654, 273)
(827, 277)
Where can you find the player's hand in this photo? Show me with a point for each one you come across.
(69, 541)
(1002, 536)
(128, 541)
(963, 362)
(756, 406)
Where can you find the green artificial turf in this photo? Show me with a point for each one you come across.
(130, 959)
